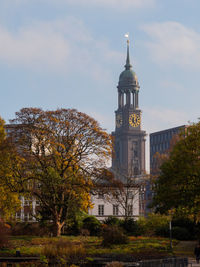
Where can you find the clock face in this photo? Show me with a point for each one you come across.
(119, 120)
(134, 120)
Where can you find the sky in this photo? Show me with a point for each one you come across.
(70, 53)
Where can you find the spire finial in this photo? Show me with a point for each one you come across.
(128, 64)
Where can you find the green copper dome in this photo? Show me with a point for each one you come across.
(128, 76)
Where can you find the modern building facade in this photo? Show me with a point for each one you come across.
(161, 142)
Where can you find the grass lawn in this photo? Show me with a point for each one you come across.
(138, 247)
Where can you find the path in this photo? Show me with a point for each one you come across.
(186, 249)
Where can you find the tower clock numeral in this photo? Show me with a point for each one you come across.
(134, 120)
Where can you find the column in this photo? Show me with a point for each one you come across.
(133, 98)
(119, 100)
(128, 98)
(136, 102)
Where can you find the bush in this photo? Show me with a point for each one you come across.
(74, 224)
(162, 231)
(92, 225)
(131, 227)
(148, 226)
(4, 234)
(65, 251)
(180, 233)
(185, 223)
(113, 235)
(112, 221)
(33, 229)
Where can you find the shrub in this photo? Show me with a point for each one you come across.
(131, 227)
(185, 223)
(162, 231)
(112, 221)
(33, 229)
(180, 233)
(113, 235)
(4, 234)
(153, 222)
(92, 225)
(64, 250)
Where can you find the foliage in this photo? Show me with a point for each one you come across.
(138, 247)
(32, 229)
(92, 225)
(65, 251)
(113, 235)
(58, 155)
(4, 234)
(177, 187)
(185, 223)
(112, 221)
(74, 224)
(131, 227)
(180, 233)
(148, 226)
(9, 201)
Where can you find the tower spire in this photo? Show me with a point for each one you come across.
(128, 64)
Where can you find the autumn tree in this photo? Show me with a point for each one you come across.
(177, 186)
(9, 201)
(60, 155)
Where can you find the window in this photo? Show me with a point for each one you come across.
(26, 202)
(129, 195)
(115, 210)
(18, 215)
(101, 210)
(101, 195)
(130, 210)
(135, 153)
(26, 217)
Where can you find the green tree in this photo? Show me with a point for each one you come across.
(177, 187)
(9, 201)
(60, 153)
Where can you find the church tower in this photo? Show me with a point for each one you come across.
(129, 139)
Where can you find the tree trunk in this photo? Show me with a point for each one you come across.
(57, 228)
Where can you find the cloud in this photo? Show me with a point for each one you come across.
(118, 4)
(33, 47)
(173, 43)
(60, 45)
(159, 118)
(114, 3)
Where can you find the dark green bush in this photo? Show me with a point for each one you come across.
(185, 223)
(112, 221)
(180, 233)
(162, 231)
(113, 235)
(92, 225)
(131, 227)
(149, 225)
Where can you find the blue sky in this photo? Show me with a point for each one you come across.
(70, 53)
